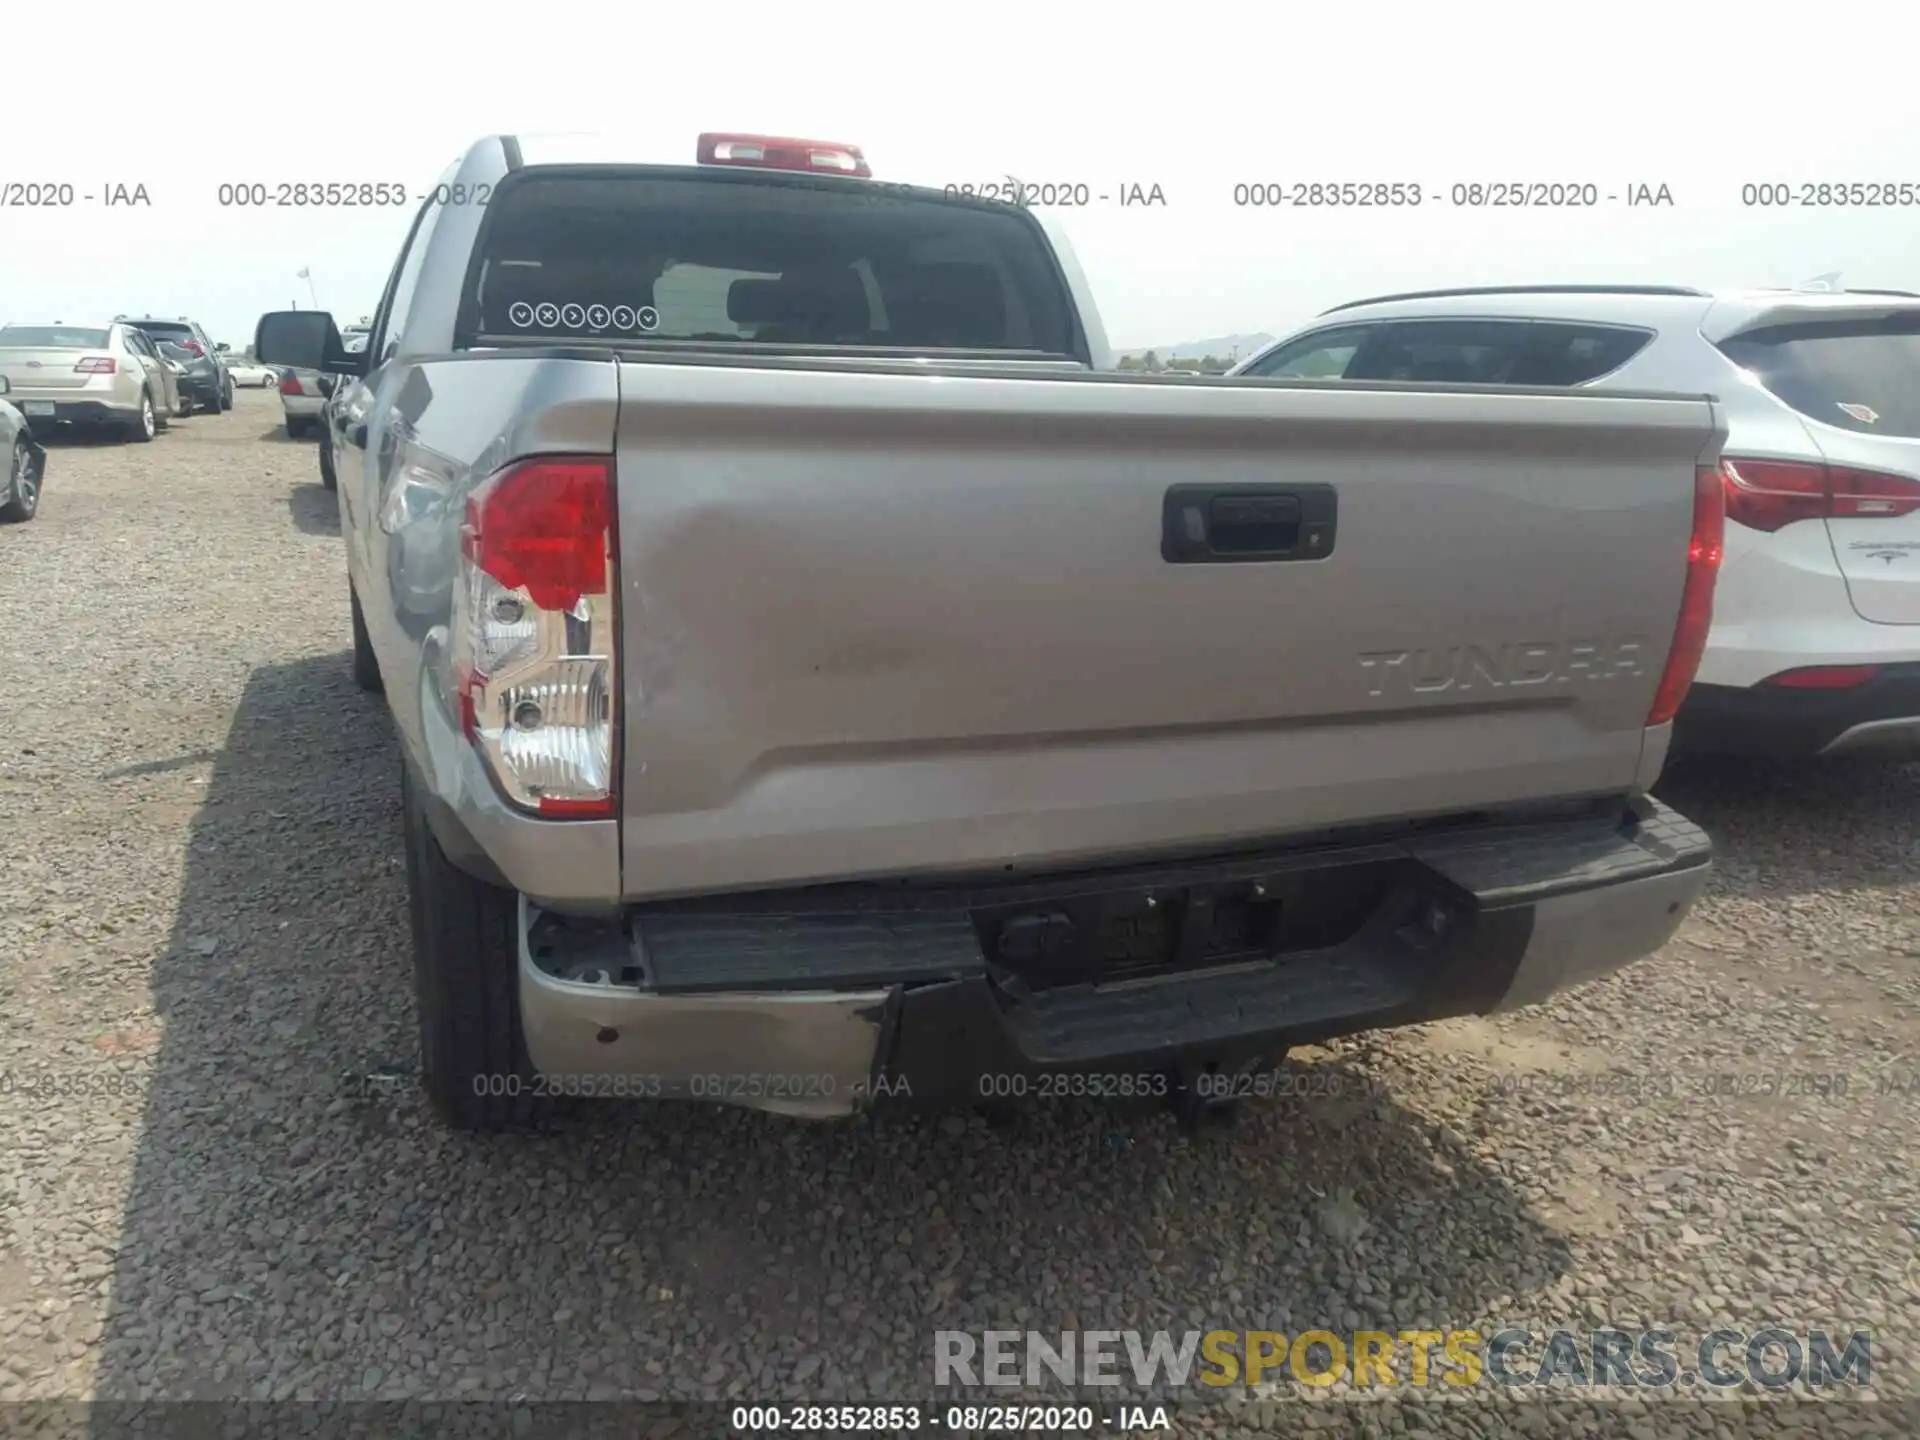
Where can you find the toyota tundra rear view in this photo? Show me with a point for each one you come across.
(819, 678)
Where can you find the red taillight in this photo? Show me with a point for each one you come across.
(1704, 550)
(1870, 493)
(535, 654)
(1824, 677)
(1771, 494)
(290, 384)
(542, 526)
(96, 365)
(775, 152)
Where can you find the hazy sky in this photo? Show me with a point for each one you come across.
(1195, 98)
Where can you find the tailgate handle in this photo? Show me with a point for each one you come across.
(1211, 524)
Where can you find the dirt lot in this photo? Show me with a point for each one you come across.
(204, 956)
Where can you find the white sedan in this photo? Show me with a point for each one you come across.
(249, 372)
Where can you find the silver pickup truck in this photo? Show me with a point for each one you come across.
(820, 680)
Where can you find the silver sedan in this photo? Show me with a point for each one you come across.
(252, 373)
(25, 460)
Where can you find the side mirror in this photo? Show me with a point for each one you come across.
(5, 385)
(223, 347)
(304, 340)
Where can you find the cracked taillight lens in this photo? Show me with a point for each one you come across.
(534, 651)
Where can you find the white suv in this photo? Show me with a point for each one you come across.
(1815, 646)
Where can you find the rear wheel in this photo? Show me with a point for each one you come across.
(366, 669)
(328, 477)
(144, 426)
(226, 395)
(22, 495)
(473, 1059)
(295, 428)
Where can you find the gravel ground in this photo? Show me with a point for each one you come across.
(203, 945)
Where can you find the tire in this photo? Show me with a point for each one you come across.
(22, 501)
(366, 669)
(295, 428)
(466, 986)
(328, 476)
(226, 395)
(146, 425)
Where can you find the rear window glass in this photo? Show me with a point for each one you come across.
(1862, 376)
(51, 337)
(763, 261)
(157, 328)
(176, 352)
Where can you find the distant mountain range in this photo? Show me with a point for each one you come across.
(1222, 346)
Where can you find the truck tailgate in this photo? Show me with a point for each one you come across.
(887, 623)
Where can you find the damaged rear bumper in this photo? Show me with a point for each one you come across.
(815, 1003)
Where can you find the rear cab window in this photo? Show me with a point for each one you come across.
(645, 256)
(1858, 375)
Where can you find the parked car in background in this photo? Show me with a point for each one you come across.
(303, 397)
(1815, 645)
(331, 386)
(180, 407)
(91, 375)
(189, 333)
(199, 379)
(25, 460)
(775, 826)
(245, 373)
(301, 400)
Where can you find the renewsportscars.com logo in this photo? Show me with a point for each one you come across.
(1770, 1358)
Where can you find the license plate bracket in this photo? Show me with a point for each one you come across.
(42, 408)
(1106, 937)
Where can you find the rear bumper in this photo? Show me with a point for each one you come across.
(817, 1004)
(202, 389)
(303, 407)
(1882, 716)
(74, 412)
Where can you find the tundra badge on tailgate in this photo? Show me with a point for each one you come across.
(1495, 667)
